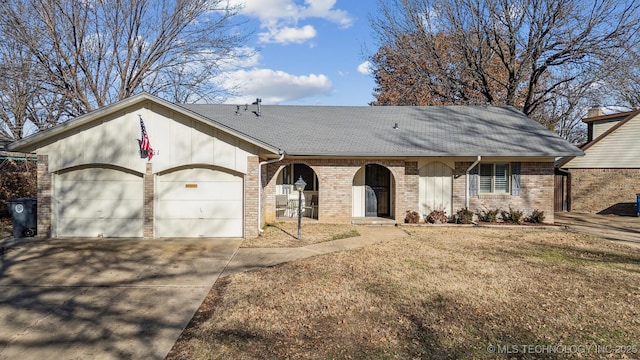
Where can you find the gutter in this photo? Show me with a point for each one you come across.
(466, 195)
(260, 231)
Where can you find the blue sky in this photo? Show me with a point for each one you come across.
(310, 52)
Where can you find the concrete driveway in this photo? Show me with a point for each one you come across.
(103, 299)
(623, 229)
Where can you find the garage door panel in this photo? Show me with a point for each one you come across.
(214, 191)
(198, 209)
(100, 227)
(101, 190)
(200, 228)
(199, 202)
(98, 201)
(100, 208)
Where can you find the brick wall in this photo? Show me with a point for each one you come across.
(411, 193)
(537, 185)
(147, 220)
(604, 190)
(335, 177)
(44, 198)
(251, 198)
(336, 180)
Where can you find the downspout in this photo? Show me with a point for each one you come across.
(466, 195)
(260, 231)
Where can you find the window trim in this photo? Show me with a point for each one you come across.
(508, 175)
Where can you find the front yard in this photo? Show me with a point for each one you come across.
(439, 292)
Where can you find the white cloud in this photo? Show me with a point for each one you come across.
(365, 68)
(274, 87)
(288, 35)
(282, 18)
(244, 56)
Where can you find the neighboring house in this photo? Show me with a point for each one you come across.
(218, 169)
(606, 179)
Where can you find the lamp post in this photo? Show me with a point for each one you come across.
(300, 184)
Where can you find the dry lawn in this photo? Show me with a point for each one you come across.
(285, 234)
(437, 293)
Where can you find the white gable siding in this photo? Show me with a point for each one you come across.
(177, 139)
(619, 149)
(600, 127)
(180, 140)
(112, 141)
(435, 188)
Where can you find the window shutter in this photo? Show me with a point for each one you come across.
(515, 179)
(473, 181)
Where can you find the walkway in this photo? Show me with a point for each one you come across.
(254, 258)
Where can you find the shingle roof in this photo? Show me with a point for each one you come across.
(369, 131)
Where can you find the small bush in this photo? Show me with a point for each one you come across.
(490, 215)
(537, 217)
(411, 217)
(437, 217)
(512, 216)
(464, 216)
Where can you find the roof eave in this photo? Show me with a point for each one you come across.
(621, 115)
(395, 155)
(122, 104)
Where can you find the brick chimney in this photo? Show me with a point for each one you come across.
(594, 111)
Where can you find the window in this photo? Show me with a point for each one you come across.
(291, 173)
(495, 178)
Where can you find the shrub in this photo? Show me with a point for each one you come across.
(437, 217)
(490, 215)
(411, 217)
(512, 216)
(537, 217)
(464, 216)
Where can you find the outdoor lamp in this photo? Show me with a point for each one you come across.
(300, 184)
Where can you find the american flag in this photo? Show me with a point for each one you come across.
(145, 146)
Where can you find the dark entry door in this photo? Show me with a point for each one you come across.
(378, 194)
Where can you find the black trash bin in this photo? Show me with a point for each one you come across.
(24, 214)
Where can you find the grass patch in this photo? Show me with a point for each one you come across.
(345, 235)
(447, 293)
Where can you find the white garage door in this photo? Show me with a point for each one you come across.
(199, 202)
(95, 202)
(436, 187)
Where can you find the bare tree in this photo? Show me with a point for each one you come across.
(87, 54)
(623, 86)
(527, 54)
(25, 105)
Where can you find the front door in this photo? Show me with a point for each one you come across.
(378, 194)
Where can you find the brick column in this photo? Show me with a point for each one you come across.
(251, 198)
(411, 194)
(147, 221)
(44, 198)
